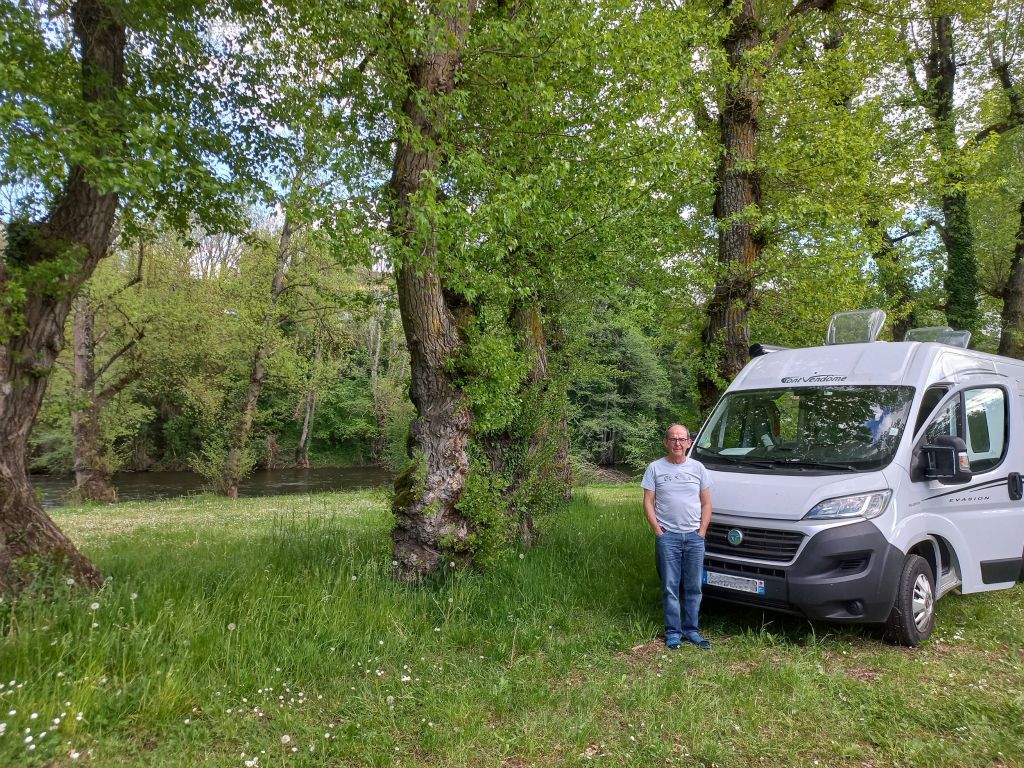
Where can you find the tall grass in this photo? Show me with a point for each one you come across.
(270, 630)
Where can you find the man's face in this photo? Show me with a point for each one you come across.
(677, 442)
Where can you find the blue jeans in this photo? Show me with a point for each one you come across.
(680, 558)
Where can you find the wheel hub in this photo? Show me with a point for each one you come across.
(923, 602)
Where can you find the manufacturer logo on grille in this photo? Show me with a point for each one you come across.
(735, 537)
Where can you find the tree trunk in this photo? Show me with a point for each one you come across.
(1011, 337)
(533, 452)
(726, 332)
(235, 465)
(375, 348)
(302, 449)
(738, 197)
(70, 242)
(961, 281)
(92, 464)
(271, 452)
(92, 470)
(429, 526)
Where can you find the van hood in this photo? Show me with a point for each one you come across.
(784, 496)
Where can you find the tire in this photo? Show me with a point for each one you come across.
(913, 614)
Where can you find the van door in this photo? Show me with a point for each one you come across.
(979, 520)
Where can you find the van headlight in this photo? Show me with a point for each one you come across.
(866, 505)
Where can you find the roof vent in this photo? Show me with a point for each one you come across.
(757, 350)
(852, 327)
(941, 334)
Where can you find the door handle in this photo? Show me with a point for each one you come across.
(1015, 485)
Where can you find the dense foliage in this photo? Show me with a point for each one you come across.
(336, 231)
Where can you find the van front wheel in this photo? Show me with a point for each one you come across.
(913, 614)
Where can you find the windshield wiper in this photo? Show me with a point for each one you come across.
(740, 460)
(814, 464)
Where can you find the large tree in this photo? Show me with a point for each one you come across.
(44, 264)
(429, 515)
(520, 185)
(92, 117)
(752, 44)
(1003, 40)
(934, 52)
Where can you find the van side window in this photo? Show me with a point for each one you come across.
(986, 427)
(947, 422)
(979, 417)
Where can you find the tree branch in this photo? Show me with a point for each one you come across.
(116, 356)
(1001, 70)
(910, 64)
(108, 393)
(802, 8)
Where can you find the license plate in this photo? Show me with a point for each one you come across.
(738, 583)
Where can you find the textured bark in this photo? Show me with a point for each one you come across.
(1011, 337)
(738, 195)
(234, 463)
(428, 524)
(76, 232)
(961, 281)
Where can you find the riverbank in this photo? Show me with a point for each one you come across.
(268, 632)
(166, 484)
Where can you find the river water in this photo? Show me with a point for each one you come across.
(133, 486)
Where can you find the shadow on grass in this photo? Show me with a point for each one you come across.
(726, 619)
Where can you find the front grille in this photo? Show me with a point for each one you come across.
(758, 543)
(750, 570)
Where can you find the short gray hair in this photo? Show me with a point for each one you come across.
(676, 424)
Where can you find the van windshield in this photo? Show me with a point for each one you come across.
(801, 429)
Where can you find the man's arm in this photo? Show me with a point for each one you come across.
(705, 512)
(652, 518)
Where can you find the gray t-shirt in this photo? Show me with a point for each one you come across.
(677, 490)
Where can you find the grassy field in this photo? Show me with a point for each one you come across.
(268, 632)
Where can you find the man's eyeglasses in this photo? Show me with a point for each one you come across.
(678, 439)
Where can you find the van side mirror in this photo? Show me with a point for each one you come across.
(945, 460)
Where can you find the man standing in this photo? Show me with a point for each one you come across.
(677, 501)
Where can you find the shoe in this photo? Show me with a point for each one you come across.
(700, 642)
(672, 645)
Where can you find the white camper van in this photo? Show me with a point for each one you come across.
(863, 480)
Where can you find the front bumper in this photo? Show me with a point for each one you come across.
(847, 573)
